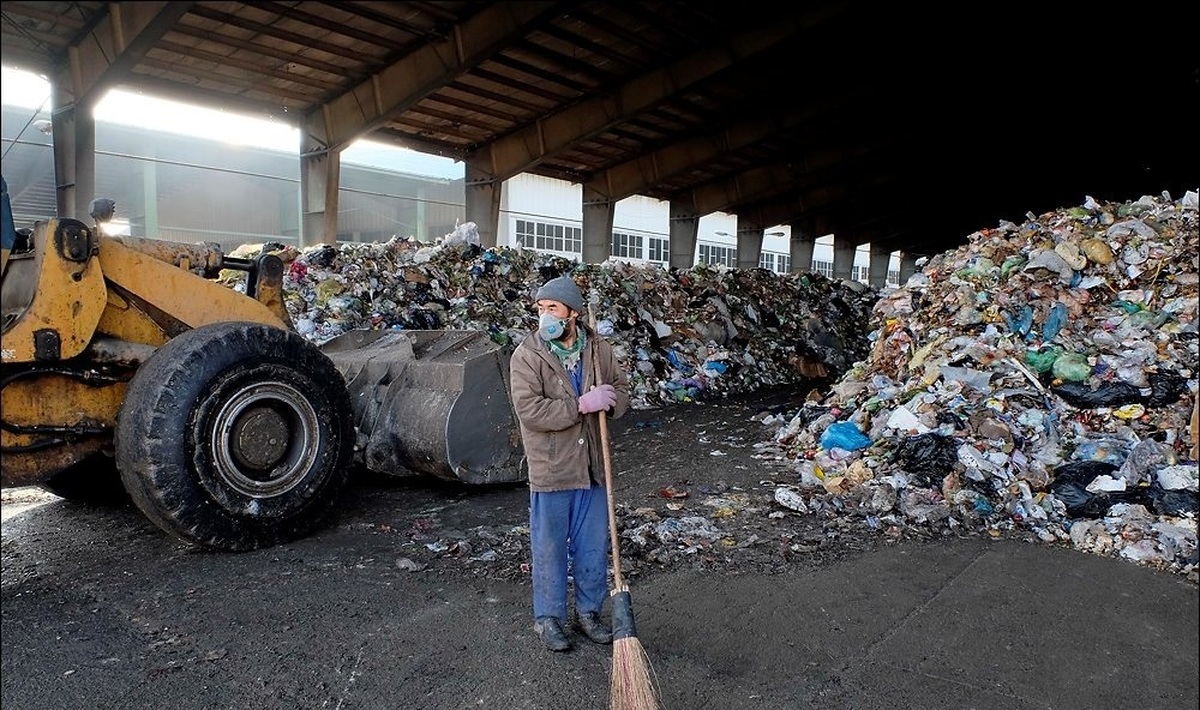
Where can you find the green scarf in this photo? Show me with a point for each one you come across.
(569, 357)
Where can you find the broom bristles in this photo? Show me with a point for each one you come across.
(633, 685)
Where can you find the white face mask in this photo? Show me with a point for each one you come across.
(551, 327)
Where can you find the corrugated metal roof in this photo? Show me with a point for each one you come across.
(908, 126)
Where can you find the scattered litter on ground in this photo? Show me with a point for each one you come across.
(1037, 381)
(1040, 378)
(682, 335)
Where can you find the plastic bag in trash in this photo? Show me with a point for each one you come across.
(1070, 487)
(1071, 481)
(1165, 388)
(845, 436)
(927, 457)
(1109, 394)
(1174, 502)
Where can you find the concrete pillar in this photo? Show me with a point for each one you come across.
(320, 171)
(800, 248)
(908, 266)
(878, 269)
(74, 129)
(598, 211)
(421, 216)
(843, 257)
(149, 200)
(683, 229)
(482, 203)
(749, 245)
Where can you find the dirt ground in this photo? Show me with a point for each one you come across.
(416, 595)
(708, 466)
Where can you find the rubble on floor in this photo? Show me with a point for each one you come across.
(1040, 379)
(682, 335)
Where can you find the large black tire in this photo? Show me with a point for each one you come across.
(93, 481)
(236, 436)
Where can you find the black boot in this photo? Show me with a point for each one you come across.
(594, 628)
(550, 631)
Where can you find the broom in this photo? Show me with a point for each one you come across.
(632, 686)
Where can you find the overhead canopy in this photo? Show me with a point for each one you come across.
(903, 125)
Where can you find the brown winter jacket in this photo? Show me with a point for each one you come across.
(562, 446)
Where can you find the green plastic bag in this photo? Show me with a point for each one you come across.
(1071, 367)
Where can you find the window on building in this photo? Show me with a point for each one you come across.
(774, 261)
(626, 246)
(549, 237)
(893, 278)
(658, 250)
(824, 268)
(714, 254)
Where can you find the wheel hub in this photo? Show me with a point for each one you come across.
(265, 439)
(259, 438)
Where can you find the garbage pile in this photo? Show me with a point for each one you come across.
(682, 335)
(1041, 379)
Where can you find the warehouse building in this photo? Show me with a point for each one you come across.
(242, 189)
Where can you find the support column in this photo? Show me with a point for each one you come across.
(749, 245)
(74, 129)
(908, 266)
(878, 269)
(800, 248)
(320, 170)
(843, 257)
(598, 213)
(149, 200)
(421, 217)
(684, 227)
(482, 203)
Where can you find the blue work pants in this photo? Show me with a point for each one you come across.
(569, 525)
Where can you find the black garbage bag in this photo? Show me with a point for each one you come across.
(1166, 387)
(927, 457)
(1070, 486)
(1109, 394)
(947, 417)
(322, 256)
(1164, 502)
(421, 319)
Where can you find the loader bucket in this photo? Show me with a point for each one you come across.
(431, 402)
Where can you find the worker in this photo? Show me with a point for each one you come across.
(563, 374)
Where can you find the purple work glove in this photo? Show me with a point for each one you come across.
(598, 399)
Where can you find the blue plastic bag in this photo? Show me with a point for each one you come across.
(845, 436)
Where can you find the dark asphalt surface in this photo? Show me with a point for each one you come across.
(100, 610)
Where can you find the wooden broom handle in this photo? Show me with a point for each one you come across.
(614, 541)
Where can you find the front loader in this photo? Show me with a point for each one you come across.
(125, 357)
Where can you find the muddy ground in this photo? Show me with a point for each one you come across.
(416, 595)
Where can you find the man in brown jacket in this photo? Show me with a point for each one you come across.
(562, 375)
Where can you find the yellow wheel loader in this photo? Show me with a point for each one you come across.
(227, 428)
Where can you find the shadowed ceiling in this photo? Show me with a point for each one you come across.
(908, 127)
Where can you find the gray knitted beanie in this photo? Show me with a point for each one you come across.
(563, 290)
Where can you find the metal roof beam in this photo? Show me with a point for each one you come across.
(401, 85)
(104, 55)
(643, 172)
(525, 148)
(761, 184)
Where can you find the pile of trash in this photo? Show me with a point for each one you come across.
(1041, 379)
(682, 335)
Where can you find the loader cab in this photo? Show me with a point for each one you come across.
(20, 278)
(18, 257)
(23, 262)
